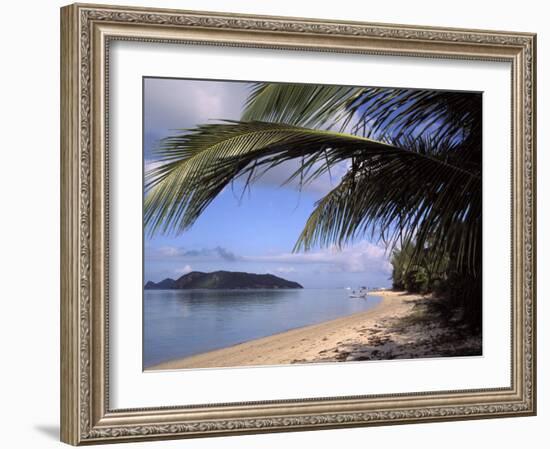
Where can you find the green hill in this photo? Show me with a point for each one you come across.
(222, 280)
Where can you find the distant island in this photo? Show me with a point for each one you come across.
(222, 280)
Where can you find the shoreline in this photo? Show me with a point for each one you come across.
(359, 336)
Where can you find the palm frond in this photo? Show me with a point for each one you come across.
(390, 114)
(308, 105)
(384, 114)
(393, 199)
(197, 165)
(386, 190)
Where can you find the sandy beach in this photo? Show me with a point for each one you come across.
(398, 327)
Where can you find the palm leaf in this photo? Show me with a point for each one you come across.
(197, 165)
(393, 199)
(386, 190)
(385, 114)
(444, 124)
(308, 105)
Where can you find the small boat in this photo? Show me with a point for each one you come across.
(361, 293)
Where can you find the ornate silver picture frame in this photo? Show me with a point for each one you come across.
(87, 33)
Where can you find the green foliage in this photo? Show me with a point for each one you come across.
(416, 280)
(456, 287)
(421, 274)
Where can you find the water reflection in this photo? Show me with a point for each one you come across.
(179, 323)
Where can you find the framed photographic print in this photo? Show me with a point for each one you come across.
(281, 224)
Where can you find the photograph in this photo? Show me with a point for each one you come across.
(289, 223)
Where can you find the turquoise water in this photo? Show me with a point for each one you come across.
(180, 323)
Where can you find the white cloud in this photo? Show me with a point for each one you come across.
(361, 257)
(203, 254)
(179, 103)
(278, 175)
(186, 269)
(168, 251)
(285, 270)
(150, 164)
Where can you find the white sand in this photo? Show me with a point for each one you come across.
(352, 337)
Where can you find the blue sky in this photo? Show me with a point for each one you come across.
(255, 232)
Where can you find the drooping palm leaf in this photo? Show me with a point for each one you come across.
(445, 124)
(387, 188)
(307, 105)
(397, 202)
(380, 113)
(199, 164)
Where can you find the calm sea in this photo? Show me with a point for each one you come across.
(179, 323)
